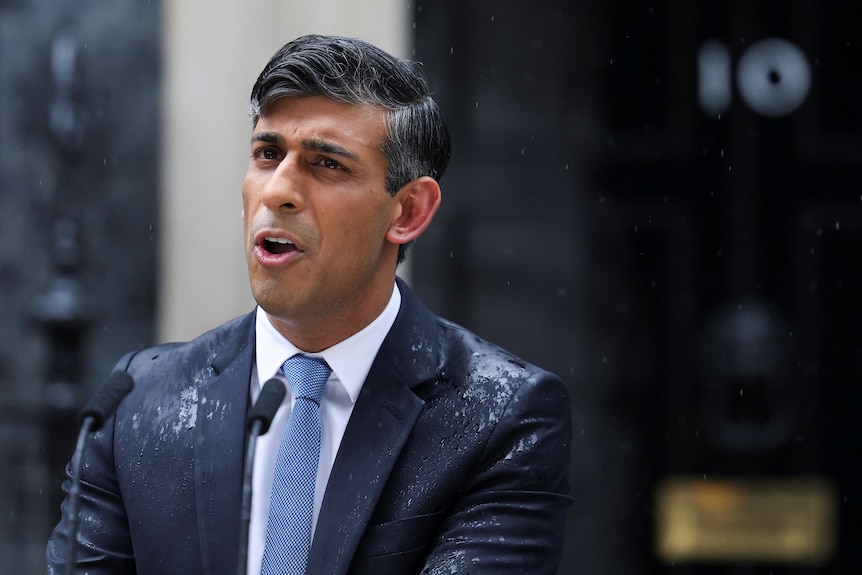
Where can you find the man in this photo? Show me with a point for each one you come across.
(439, 452)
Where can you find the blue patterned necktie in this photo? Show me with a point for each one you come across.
(288, 532)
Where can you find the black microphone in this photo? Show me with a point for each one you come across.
(258, 422)
(97, 410)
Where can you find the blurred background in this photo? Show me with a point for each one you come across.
(660, 201)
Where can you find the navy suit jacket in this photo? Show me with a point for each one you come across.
(455, 460)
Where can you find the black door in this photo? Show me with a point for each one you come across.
(662, 202)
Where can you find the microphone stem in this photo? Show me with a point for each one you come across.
(254, 431)
(75, 494)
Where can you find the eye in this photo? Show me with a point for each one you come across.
(329, 163)
(267, 153)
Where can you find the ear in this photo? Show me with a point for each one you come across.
(417, 203)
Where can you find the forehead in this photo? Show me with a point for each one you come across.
(318, 116)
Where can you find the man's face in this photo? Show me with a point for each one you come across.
(316, 214)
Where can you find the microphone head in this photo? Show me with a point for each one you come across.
(105, 401)
(267, 404)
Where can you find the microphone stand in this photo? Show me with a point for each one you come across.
(99, 408)
(259, 420)
(254, 432)
(75, 492)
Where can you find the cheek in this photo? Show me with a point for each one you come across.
(251, 185)
(250, 204)
(356, 229)
(367, 224)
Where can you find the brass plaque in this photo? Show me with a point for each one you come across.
(792, 519)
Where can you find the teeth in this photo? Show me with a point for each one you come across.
(279, 240)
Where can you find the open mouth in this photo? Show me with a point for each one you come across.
(278, 245)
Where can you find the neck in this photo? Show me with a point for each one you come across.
(315, 334)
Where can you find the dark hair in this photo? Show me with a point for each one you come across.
(353, 71)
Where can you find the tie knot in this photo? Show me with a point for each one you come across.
(307, 376)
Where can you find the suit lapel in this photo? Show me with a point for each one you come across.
(220, 446)
(380, 424)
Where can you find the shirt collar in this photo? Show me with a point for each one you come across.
(349, 359)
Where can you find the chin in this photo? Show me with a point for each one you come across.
(268, 295)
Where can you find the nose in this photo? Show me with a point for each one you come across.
(283, 189)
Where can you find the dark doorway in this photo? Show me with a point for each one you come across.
(661, 203)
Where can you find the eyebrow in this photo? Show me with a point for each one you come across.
(311, 144)
(318, 145)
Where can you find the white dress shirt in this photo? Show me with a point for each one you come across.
(350, 361)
